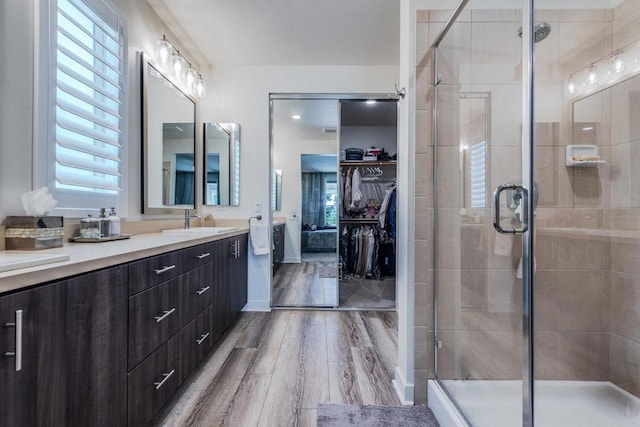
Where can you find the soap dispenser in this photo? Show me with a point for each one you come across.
(105, 226)
(115, 222)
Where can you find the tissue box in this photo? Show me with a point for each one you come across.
(33, 232)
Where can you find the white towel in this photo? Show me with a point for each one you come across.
(503, 244)
(259, 232)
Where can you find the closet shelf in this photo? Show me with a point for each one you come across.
(360, 220)
(357, 163)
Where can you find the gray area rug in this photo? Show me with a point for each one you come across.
(327, 270)
(372, 416)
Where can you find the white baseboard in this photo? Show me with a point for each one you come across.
(294, 260)
(404, 390)
(446, 413)
(257, 306)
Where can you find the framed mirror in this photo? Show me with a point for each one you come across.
(221, 175)
(169, 141)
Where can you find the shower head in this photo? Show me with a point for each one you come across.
(540, 32)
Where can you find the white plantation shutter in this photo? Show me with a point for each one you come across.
(478, 171)
(90, 54)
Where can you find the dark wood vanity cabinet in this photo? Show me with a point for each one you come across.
(73, 368)
(278, 246)
(110, 347)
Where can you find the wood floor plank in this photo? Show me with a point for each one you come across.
(307, 417)
(372, 379)
(246, 407)
(383, 343)
(254, 332)
(314, 366)
(282, 401)
(269, 348)
(343, 388)
(215, 401)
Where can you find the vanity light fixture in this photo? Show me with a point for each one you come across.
(606, 71)
(296, 117)
(181, 72)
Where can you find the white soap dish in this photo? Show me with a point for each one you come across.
(582, 156)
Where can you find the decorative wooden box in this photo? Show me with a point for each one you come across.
(33, 232)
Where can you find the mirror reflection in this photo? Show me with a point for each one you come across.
(169, 144)
(473, 151)
(222, 164)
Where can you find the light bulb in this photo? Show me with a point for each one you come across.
(592, 75)
(163, 52)
(179, 68)
(616, 64)
(571, 86)
(191, 79)
(200, 88)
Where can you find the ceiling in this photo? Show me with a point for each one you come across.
(286, 32)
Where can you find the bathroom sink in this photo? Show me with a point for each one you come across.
(203, 231)
(13, 261)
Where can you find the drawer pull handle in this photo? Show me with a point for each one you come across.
(165, 377)
(202, 338)
(203, 290)
(17, 354)
(204, 255)
(165, 314)
(165, 269)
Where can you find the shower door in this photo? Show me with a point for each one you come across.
(479, 288)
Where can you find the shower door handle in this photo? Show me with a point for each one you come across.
(524, 197)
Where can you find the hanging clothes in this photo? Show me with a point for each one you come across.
(346, 202)
(360, 251)
(356, 192)
(385, 206)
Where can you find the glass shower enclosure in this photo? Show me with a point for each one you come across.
(536, 129)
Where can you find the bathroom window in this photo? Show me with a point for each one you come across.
(87, 108)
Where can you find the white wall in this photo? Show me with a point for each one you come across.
(241, 95)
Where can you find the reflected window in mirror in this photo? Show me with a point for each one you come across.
(169, 136)
(221, 164)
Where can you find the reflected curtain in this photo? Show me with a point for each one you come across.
(184, 188)
(313, 198)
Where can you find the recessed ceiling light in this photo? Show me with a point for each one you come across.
(370, 101)
(587, 128)
(296, 117)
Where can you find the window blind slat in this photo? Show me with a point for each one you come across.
(87, 148)
(88, 99)
(85, 131)
(92, 117)
(109, 28)
(87, 164)
(88, 66)
(96, 55)
(91, 182)
(88, 33)
(74, 74)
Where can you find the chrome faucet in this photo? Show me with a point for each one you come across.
(187, 218)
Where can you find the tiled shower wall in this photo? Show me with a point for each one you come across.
(587, 285)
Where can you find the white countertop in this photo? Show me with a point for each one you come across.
(86, 257)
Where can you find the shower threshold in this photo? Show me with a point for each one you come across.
(498, 403)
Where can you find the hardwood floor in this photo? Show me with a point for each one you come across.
(304, 284)
(273, 369)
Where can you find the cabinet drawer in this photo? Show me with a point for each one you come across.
(154, 316)
(197, 292)
(196, 340)
(152, 383)
(151, 271)
(197, 256)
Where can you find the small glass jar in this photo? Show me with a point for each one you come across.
(90, 228)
